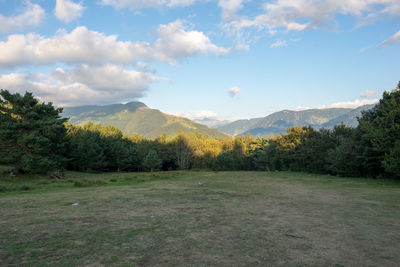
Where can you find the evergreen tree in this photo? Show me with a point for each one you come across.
(152, 161)
(223, 162)
(379, 131)
(32, 134)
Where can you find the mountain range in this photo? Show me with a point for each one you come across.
(136, 117)
(278, 122)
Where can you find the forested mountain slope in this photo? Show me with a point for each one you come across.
(278, 122)
(136, 117)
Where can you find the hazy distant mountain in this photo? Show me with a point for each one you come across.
(349, 119)
(278, 122)
(136, 117)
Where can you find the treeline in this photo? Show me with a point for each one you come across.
(35, 139)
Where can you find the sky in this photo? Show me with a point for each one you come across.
(220, 59)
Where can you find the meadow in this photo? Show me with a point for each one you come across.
(199, 218)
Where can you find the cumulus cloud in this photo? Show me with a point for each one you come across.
(175, 42)
(31, 17)
(352, 104)
(67, 11)
(90, 47)
(369, 93)
(395, 39)
(230, 8)
(302, 15)
(82, 84)
(233, 91)
(140, 4)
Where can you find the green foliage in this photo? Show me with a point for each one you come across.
(238, 152)
(152, 162)
(343, 157)
(391, 160)
(223, 162)
(98, 148)
(183, 151)
(31, 133)
(379, 131)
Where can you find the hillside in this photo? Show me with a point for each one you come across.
(349, 119)
(278, 122)
(136, 117)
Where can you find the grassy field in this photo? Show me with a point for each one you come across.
(199, 218)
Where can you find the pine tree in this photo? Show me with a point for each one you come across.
(31, 133)
(152, 161)
(224, 162)
(379, 129)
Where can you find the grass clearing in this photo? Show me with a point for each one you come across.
(233, 218)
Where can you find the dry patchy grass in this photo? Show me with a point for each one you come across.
(234, 218)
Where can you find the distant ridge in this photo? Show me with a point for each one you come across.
(278, 122)
(136, 117)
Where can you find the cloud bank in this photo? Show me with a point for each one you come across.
(99, 67)
(300, 15)
(82, 84)
(83, 46)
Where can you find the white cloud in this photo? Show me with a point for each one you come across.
(299, 15)
(351, 104)
(174, 3)
(203, 114)
(31, 17)
(230, 8)
(234, 91)
(369, 93)
(140, 4)
(393, 9)
(90, 47)
(279, 43)
(300, 108)
(67, 11)
(82, 85)
(134, 4)
(392, 40)
(175, 42)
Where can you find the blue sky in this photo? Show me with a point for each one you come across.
(226, 59)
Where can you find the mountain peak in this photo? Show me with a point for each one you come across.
(136, 117)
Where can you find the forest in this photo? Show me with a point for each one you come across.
(34, 138)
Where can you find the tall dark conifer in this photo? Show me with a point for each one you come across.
(31, 133)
